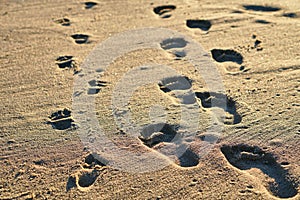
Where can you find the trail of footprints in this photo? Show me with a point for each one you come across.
(242, 157)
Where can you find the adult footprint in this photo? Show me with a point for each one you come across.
(245, 157)
(261, 8)
(80, 38)
(61, 120)
(90, 4)
(164, 11)
(213, 99)
(204, 25)
(221, 55)
(156, 134)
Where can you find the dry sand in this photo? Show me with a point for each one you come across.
(255, 47)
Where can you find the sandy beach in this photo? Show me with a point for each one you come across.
(190, 99)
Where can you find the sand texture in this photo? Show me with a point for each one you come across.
(183, 99)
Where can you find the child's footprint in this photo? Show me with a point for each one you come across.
(80, 38)
(164, 11)
(204, 25)
(213, 99)
(245, 157)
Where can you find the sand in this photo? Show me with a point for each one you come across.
(215, 121)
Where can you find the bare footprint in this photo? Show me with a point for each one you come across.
(261, 8)
(181, 88)
(221, 55)
(61, 120)
(63, 21)
(164, 11)
(293, 15)
(95, 86)
(212, 99)
(175, 46)
(90, 4)
(204, 25)
(80, 38)
(158, 136)
(245, 157)
(87, 176)
(65, 62)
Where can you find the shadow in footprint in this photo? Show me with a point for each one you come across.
(63, 21)
(204, 25)
(173, 43)
(164, 11)
(189, 159)
(80, 38)
(154, 134)
(261, 21)
(71, 183)
(61, 120)
(213, 99)
(89, 4)
(175, 83)
(261, 8)
(87, 178)
(65, 61)
(245, 157)
(221, 55)
(291, 15)
(96, 86)
(65, 113)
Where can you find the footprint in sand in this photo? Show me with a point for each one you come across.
(180, 86)
(164, 11)
(292, 15)
(63, 21)
(165, 138)
(245, 157)
(65, 62)
(95, 86)
(260, 8)
(90, 4)
(226, 55)
(212, 99)
(61, 120)
(204, 25)
(80, 38)
(174, 46)
(87, 176)
(157, 136)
